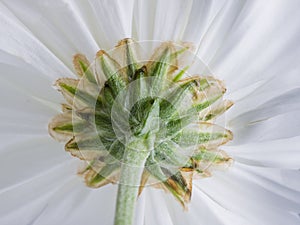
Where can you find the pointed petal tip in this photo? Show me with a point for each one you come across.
(228, 104)
(58, 121)
(125, 41)
(61, 81)
(80, 58)
(229, 135)
(80, 63)
(100, 53)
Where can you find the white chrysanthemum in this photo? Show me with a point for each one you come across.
(252, 45)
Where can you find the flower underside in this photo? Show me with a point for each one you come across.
(150, 107)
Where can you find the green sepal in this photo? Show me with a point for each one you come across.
(107, 174)
(64, 126)
(159, 68)
(179, 187)
(209, 156)
(187, 139)
(216, 110)
(144, 117)
(205, 104)
(153, 167)
(180, 74)
(116, 79)
(169, 106)
(82, 67)
(167, 155)
(206, 91)
(176, 125)
(74, 95)
(174, 182)
(71, 127)
(130, 57)
(86, 148)
(202, 134)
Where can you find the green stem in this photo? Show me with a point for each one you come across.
(131, 173)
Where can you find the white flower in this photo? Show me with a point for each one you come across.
(252, 45)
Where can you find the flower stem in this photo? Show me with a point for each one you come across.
(131, 173)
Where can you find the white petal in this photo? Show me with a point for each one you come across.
(27, 107)
(22, 194)
(97, 208)
(57, 25)
(283, 153)
(244, 194)
(24, 85)
(74, 203)
(219, 30)
(24, 160)
(286, 102)
(290, 178)
(28, 213)
(156, 211)
(165, 21)
(204, 210)
(200, 18)
(62, 203)
(144, 12)
(286, 125)
(200, 210)
(26, 77)
(140, 209)
(108, 21)
(252, 51)
(18, 41)
(278, 180)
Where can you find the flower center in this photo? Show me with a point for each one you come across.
(146, 113)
